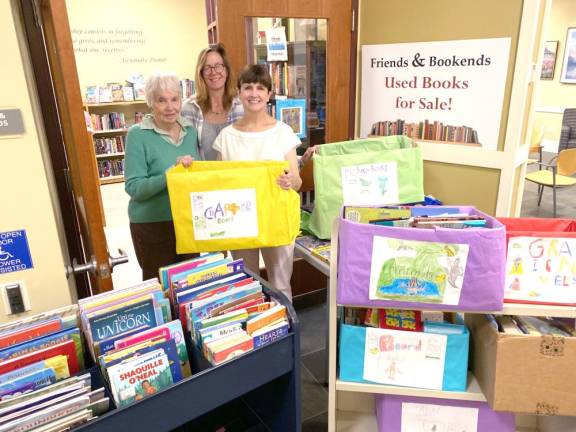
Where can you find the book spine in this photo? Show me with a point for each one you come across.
(270, 336)
(233, 351)
(29, 334)
(257, 324)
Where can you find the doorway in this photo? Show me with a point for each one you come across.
(555, 93)
(114, 55)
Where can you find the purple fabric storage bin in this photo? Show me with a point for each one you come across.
(483, 282)
(389, 413)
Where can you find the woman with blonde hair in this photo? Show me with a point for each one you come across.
(215, 105)
(162, 139)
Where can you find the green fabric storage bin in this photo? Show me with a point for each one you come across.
(391, 166)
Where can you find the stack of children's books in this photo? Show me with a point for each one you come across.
(56, 407)
(522, 325)
(317, 247)
(222, 308)
(39, 358)
(395, 319)
(414, 217)
(132, 337)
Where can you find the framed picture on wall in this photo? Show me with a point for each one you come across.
(293, 113)
(569, 64)
(549, 60)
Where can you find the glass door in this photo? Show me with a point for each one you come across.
(294, 51)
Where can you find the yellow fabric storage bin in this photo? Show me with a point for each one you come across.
(229, 205)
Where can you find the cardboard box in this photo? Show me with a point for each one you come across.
(523, 373)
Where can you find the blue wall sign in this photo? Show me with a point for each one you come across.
(14, 252)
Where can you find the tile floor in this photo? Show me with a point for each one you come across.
(115, 201)
(313, 323)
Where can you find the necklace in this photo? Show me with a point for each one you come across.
(217, 112)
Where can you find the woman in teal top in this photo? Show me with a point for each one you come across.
(162, 139)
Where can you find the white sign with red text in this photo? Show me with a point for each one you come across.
(442, 91)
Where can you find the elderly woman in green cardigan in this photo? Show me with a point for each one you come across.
(162, 139)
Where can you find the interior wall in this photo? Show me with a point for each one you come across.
(554, 96)
(114, 40)
(27, 192)
(398, 21)
(473, 182)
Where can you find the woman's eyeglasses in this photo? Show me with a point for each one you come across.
(217, 68)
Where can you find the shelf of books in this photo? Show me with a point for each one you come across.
(112, 109)
(115, 104)
(517, 309)
(109, 131)
(107, 155)
(111, 179)
(153, 357)
(385, 333)
(109, 125)
(427, 131)
(298, 84)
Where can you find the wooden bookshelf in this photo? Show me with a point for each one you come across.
(302, 76)
(115, 104)
(111, 179)
(112, 162)
(109, 155)
(109, 131)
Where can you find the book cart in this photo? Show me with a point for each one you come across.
(111, 162)
(266, 380)
(351, 405)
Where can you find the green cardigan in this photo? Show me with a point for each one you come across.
(148, 156)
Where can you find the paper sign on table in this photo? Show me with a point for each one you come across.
(370, 184)
(418, 271)
(438, 418)
(402, 358)
(224, 214)
(541, 270)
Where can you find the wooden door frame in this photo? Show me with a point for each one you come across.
(231, 15)
(55, 141)
(73, 160)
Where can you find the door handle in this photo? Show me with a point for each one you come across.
(114, 261)
(92, 265)
(76, 268)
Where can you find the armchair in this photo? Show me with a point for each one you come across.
(558, 174)
(568, 132)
